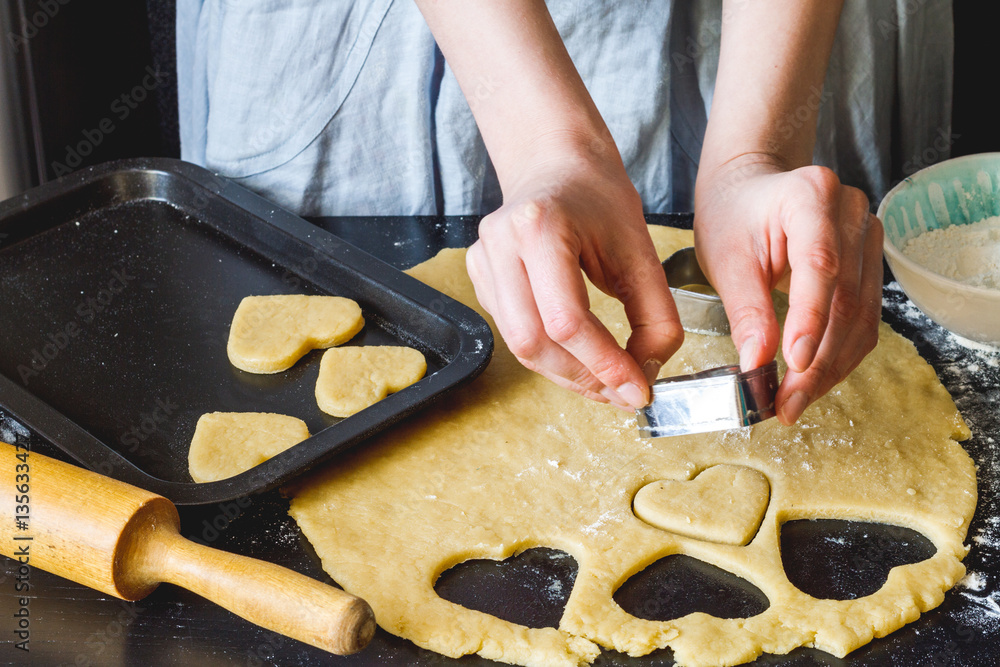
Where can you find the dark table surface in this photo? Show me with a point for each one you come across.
(73, 625)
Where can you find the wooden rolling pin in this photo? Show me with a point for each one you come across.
(124, 541)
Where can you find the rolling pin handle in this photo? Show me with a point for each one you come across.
(266, 594)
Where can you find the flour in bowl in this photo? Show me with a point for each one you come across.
(969, 254)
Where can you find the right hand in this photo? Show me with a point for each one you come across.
(759, 227)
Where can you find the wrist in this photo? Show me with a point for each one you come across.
(559, 152)
(720, 178)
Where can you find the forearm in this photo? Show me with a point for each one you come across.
(568, 204)
(512, 66)
(772, 62)
(766, 217)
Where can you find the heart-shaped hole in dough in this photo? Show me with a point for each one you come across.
(724, 504)
(353, 378)
(679, 585)
(530, 589)
(270, 333)
(834, 559)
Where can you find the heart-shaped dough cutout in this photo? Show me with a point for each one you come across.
(228, 443)
(724, 504)
(352, 378)
(270, 333)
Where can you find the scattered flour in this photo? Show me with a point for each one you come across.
(980, 347)
(554, 591)
(988, 535)
(987, 610)
(974, 581)
(11, 431)
(969, 254)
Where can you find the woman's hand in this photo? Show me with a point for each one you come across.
(765, 217)
(758, 227)
(568, 204)
(573, 207)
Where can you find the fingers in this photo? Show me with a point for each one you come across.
(530, 281)
(812, 229)
(640, 284)
(553, 269)
(805, 231)
(517, 319)
(852, 329)
(745, 288)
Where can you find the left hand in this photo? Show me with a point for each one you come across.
(570, 209)
(758, 227)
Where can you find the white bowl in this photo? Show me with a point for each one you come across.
(960, 191)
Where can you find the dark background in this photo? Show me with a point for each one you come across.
(89, 53)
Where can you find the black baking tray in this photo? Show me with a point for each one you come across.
(117, 288)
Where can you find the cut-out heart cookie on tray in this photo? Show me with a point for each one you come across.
(724, 504)
(228, 443)
(270, 333)
(352, 378)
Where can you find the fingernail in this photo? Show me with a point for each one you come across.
(651, 369)
(614, 398)
(803, 351)
(748, 352)
(795, 406)
(633, 395)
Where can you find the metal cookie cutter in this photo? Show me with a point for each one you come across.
(713, 400)
(698, 305)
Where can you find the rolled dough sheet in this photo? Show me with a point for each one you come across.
(353, 378)
(513, 462)
(228, 443)
(270, 333)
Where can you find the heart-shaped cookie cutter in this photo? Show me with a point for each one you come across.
(700, 308)
(714, 400)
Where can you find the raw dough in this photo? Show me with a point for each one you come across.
(270, 333)
(512, 462)
(723, 504)
(352, 378)
(228, 443)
